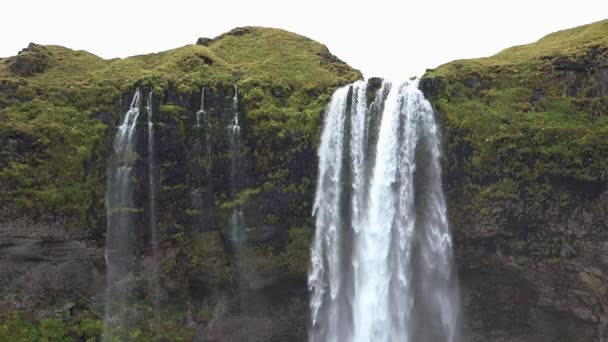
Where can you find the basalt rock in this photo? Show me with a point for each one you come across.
(530, 238)
(31, 60)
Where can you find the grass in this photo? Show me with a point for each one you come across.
(54, 108)
(526, 126)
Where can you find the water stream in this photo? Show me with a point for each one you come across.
(382, 252)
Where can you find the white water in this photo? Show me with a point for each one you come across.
(201, 190)
(236, 220)
(381, 259)
(152, 209)
(119, 206)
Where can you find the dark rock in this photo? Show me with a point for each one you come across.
(564, 63)
(204, 41)
(327, 56)
(430, 86)
(239, 31)
(280, 92)
(374, 82)
(473, 81)
(206, 59)
(30, 61)
(538, 94)
(105, 117)
(373, 85)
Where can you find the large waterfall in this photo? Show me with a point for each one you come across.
(381, 260)
(120, 207)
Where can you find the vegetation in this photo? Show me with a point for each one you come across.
(51, 97)
(526, 129)
(15, 327)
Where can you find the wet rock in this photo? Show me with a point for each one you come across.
(431, 86)
(564, 63)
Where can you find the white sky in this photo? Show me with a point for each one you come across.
(379, 37)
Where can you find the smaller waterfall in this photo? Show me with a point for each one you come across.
(234, 137)
(120, 208)
(152, 215)
(201, 192)
(202, 114)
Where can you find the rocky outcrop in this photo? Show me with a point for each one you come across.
(31, 60)
(530, 226)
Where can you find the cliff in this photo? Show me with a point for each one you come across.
(59, 111)
(524, 135)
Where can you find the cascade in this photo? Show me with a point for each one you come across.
(381, 258)
(234, 139)
(202, 126)
(120, 208)
(152, 215)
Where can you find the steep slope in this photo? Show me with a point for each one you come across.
(527, 160)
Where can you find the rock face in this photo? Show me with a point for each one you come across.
(31, 60)
(527, 205)
(525, 165)
(53, 180)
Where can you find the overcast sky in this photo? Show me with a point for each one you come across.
(379, 37)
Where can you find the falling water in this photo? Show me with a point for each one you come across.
(381, 259)
(206, 126)
(119, 206)
(202, 126)
(152, 209)
(234, 137)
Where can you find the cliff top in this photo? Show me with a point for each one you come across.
(53, 99)
(243, 55)
(572, 44)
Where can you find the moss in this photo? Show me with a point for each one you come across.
(52, 176)
(172, 109)
(54, 105)
(519, 132)
(297, 252)
(240, 199)
(17, 328)
(205, 253)
(51, 329)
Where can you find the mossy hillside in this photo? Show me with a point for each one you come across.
(284, 78)
(525, 132)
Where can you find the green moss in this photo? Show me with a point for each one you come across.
(52, 174)
(18, 329)
(51, 330)
(205, 253)
(240, 199)
(284, 80)
(518, 130)
(172, 109)
(297, 252)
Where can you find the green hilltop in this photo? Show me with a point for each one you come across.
(50, 96)
(527, 125)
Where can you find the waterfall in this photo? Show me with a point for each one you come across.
(120, 208)
(381, 258)
(202, 126)
(234, 139)
(152, 209)
(206, 126)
